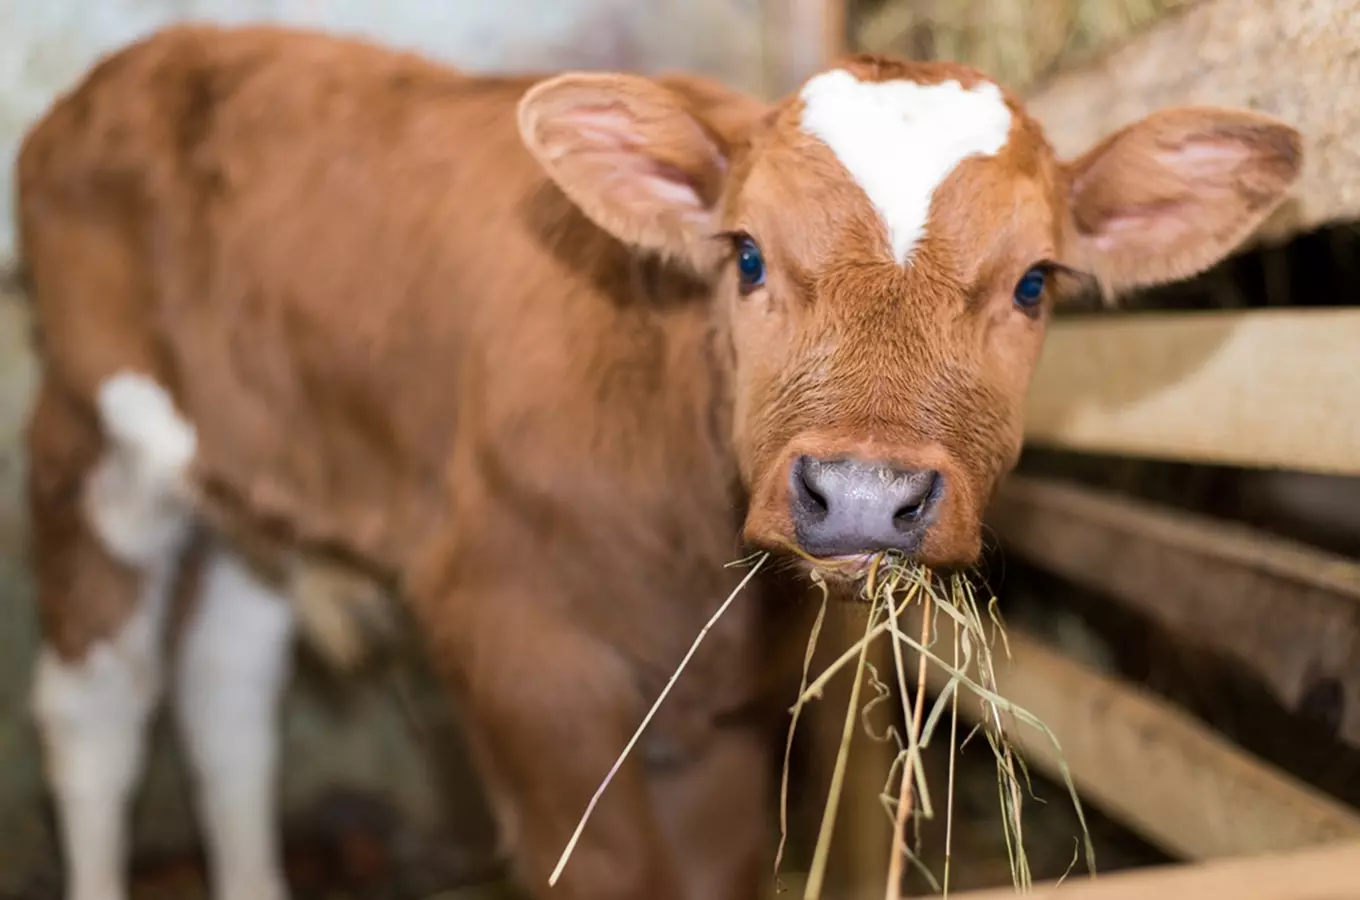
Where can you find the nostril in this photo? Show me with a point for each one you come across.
(908, 514)
(813, 494)
(924, 490)
(805, 477)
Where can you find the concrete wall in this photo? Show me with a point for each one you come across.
(356, 737)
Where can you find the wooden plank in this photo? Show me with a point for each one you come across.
(801, 37)
(1286, 612)
(1324, 873)
(1296, 59)
(1267, 388)
(1144, 762)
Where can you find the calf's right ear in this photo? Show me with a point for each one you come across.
(630, 154)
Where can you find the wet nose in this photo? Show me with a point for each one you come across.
(845, 506)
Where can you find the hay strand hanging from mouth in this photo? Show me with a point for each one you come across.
(793, 724)
(821, 853)
(890, 589)
(913, 717)
(618, 763)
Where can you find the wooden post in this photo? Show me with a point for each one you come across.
(1327, 873)
(801, 37)
(859, 851)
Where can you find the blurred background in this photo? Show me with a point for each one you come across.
(1177, 558)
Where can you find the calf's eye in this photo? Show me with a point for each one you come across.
(750, 264)
(1030, 289)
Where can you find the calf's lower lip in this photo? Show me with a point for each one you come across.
(853, 565)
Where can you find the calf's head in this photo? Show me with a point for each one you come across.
(885, 248)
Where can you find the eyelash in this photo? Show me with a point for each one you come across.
(1057, 278)
(746, 251)
(1038, 272)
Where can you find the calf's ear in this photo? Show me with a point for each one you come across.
(631, 154)
(1167, 197)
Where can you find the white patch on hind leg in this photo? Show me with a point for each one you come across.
(233, 667)
(92, 715)
(137, 497)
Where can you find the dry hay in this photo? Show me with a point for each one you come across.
(894, 588)
(1018, 42)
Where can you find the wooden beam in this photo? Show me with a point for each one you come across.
(800, 37)
(1323, 873)
(1154, 768)
(1290, 59)
(837, 27)
(1288, 613)
(1267, 389)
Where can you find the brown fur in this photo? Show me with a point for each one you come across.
(520, 385)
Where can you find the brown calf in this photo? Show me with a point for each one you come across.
(544, 355)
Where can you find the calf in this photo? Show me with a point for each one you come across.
(543, 355)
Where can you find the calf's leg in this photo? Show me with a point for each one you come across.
(714, 812)
(233, 665)
(108, 529)
(551, 708)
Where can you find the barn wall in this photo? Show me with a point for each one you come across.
(359, 737)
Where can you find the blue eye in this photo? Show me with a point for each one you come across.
(750, 265)
(1030, 290)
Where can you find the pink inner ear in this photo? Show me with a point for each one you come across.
(608, 132)
(671, 185)
(1159, 223)
(603, 127)
(647, 182)
(1205, 157)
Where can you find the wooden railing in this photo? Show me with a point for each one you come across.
(1266, 389)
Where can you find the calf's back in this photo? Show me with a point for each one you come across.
(354, 280)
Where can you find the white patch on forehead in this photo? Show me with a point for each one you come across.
(899, 140)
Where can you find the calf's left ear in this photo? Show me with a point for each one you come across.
(1167, 197)
(631, 154)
